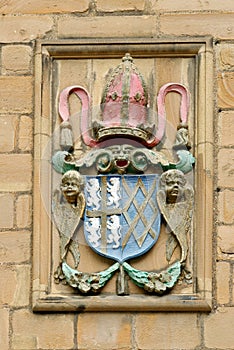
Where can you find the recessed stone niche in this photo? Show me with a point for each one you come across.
(87, 63)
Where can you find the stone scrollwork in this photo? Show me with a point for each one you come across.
(122, 159)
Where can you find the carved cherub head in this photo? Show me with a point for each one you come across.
(71, 185)
(173, 181)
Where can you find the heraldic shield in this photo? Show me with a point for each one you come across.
(122, 218)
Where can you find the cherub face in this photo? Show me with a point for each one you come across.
(174, 189)
(70, 188)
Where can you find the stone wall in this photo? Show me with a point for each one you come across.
(21, 23)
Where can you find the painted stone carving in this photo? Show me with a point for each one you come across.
(175, 200)
(68, 208)
(133, 188)
(127, 219)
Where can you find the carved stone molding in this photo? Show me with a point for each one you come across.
(57, 151)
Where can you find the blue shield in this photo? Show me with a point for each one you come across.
(122, 218)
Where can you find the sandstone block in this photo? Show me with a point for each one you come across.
(222, 278)
(226, 239)
(22, 289)
(4, 329)
(95, 27)
(121, 5)
(16, 59)
(226, 168)
(226, 55)
(15, 282)
(44, 6)
(16, 94)
(225, 207)
(109, 331)
(24, 343)
(14, 246)
(167, 331)
(226, 90)
(218, 329)
(6, 210)
(16, 172)
(195, 5)
(23, 211)
(8, 133)
(25, 134)
(220, 26)
(24, 29)
(226, 128)
(45, 331)
(9, 281)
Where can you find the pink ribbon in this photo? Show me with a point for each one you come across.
(64, 112)
(184, 105)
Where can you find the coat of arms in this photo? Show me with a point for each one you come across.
(131, 189)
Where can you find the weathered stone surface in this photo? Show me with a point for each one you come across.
(109, 331)
(120, 5)
(8, 133)
(24, 29)
(16, 282)
(9, 281)
(226, 128)
(23, 285)
(43, 6)
(170, 331)
(16, 172)
(218, 329)
(225, 207)
(24, 343)
(4, 329)
(226, 239)
(99, 26)
(226, 90)
(16, 94)
(6, 210)
(97, 330)
(16, 59)
(226, 167)
(25, 133)
(222, 279)
(24, 211)
(220, 26)
(45, 331)
(195, 5)
(226, 55)
(14, 246)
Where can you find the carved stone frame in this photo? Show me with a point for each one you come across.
(199, 48)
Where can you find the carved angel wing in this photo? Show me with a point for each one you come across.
(178, 218)
(66, 218)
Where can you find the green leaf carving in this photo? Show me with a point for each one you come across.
(88, 282)
(154, 282)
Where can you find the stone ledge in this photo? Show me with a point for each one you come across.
(131, 303)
